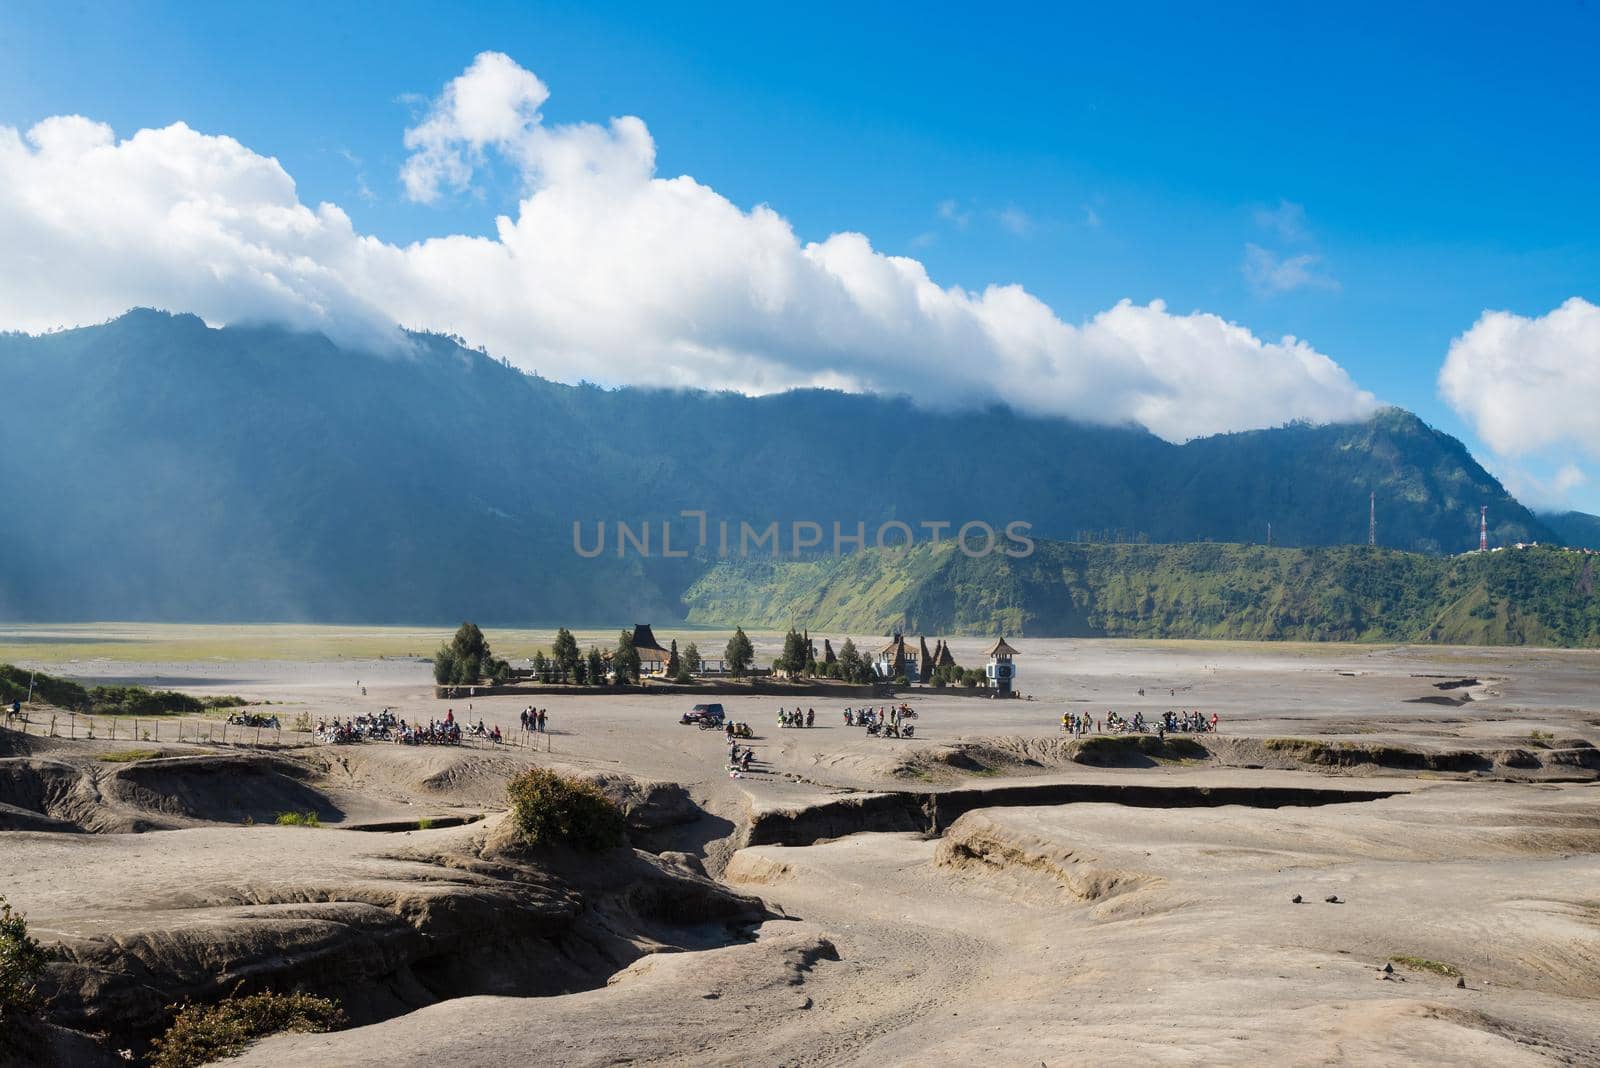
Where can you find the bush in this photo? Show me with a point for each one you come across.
(552, 809)
(105, 700)
(298, 819)
(22, 961)
(201, 1034)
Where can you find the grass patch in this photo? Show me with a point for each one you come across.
(127, 756)
(1346, 754)
(297, 819)
(1542, 739)
(201, 1034)
(425, 823)
(1423, 964)
(552, 809)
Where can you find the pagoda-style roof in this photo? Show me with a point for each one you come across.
(897, 642)
(943, 657)
(828, 656)
(644, 640)
(1002, 649)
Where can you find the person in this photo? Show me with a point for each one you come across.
(811, 716)
(1213, 721)
(744, 761)
(544, 717)
(494, 734)
(449, 715)
(523, 717)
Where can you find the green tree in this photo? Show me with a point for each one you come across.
(793, 658)
(691, 659)
(851, 666)
(444, 666)
(674, 662)
(597, 667)
(740, 654)
(466, 660)
(565, 653)
(541, 666)
(626, 659)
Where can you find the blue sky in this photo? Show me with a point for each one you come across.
(1420, 166)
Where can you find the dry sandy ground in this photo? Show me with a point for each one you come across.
(1083, 933)
(1106, 935)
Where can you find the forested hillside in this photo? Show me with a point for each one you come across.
(1541, 596)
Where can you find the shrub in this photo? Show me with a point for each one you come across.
(298, 819)
(22, 960)
(551, 809)
(1423, 964)
(425, 823)
(201, 1034)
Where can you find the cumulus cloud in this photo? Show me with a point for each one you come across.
(1529, 385)
(606, 271)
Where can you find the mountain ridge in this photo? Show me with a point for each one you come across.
(158, 468)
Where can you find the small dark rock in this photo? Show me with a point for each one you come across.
(1295, 899)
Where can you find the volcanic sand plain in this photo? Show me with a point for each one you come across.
(1071, 902)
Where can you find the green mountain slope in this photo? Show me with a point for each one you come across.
(1575, 528)
(154, 468)
(1542, 596)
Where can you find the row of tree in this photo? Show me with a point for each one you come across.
(799, 657)
(466, 660)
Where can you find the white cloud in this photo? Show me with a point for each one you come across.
(1287, 221)
(1267, 272)
(605, 272)
(1529, 386)
(951, 212)
(1014, 220)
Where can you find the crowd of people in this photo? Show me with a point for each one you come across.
(535, 719)
(889, 721)
(1184, 721)
(797, 718)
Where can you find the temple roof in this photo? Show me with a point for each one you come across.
(1002, 649)
(644, 640)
